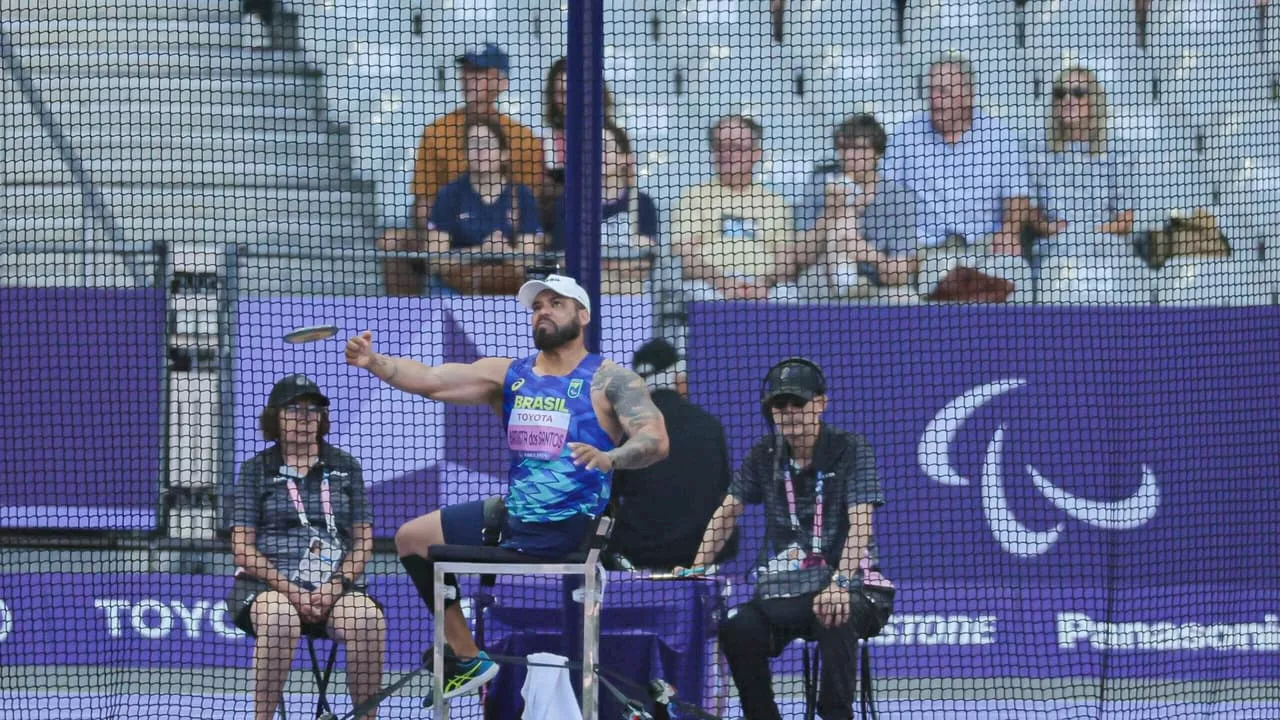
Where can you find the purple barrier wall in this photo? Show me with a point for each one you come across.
(1072, 492)
(941, 630)
(1066, 487)
(82, 413)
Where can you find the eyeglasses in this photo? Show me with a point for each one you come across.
(303, 409)
(782, 402)
(1075, 91)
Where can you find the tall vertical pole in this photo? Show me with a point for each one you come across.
(584, 129)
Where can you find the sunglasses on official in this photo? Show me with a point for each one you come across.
(783, 402)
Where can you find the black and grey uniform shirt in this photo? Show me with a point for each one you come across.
(261, 501)
(846, 465)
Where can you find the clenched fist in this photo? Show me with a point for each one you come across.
(360, 350)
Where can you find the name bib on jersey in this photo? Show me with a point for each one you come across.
(537, 434)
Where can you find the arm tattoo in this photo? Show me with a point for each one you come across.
(641, 420)
(384, 362)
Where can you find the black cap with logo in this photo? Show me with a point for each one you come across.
(293, 387)
(796, 377)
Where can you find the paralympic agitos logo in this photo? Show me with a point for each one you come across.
(934, 457)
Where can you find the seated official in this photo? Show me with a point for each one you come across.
(301, 536)
(663, 509)
(819, 578)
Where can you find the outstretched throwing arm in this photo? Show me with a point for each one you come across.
(477, 383)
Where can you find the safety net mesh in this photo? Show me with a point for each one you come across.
(959, 316)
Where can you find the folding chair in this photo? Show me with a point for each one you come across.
(811, 671)
(493, 561)
(322, 676)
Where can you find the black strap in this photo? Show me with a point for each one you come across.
(867, 698)
(635, 710)
(812, 670)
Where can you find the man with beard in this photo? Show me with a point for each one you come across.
(571, 418)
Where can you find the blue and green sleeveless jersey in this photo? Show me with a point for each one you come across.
(542, 415)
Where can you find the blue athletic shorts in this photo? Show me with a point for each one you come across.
(463, 524)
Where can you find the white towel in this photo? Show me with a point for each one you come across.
(548, 691)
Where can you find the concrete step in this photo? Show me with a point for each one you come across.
(284, 92)
(158, 119)
(193, 62)
(208, 146)
(232, 201)
(145, 35)
(189, 10)
(284, 229)
(29, 162)
(53, 269)
(44, 200)
(259, 170)
(323, 276)
(66, 227)
(212, 140)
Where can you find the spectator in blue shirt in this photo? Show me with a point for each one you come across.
(484, 211)
(968, 169)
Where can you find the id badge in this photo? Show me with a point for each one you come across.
(794, 558)
(318, 563)
(789, 559)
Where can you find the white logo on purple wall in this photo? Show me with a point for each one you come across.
(934, 457)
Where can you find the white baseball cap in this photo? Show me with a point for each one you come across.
(558, 284)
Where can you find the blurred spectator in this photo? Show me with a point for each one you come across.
(968, 170)
(484, 211)
(629, 233)
(442, 158)
(1141, 13)
(1077, 173)
(778, 19)
(730, 233)
(664, 508)
(866, 229)
(555, 96)
(258, 17)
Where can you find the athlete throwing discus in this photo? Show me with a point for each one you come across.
(571, 419)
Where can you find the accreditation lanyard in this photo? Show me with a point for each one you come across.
(326, 503)
(816, 542)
